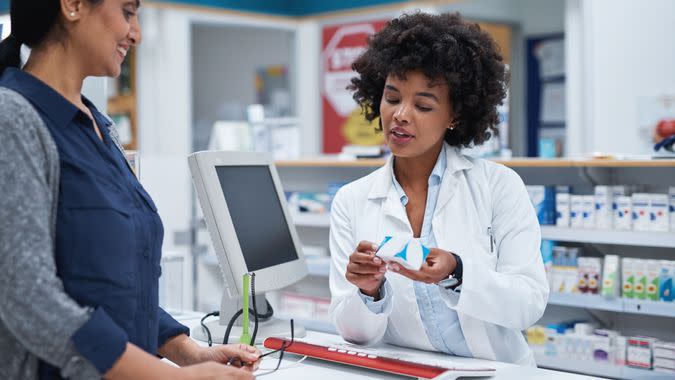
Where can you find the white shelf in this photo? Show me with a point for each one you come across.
(311, 220)
(636, 238)
(596, 368)
(621, 305)
(586, 301)
(318, 266)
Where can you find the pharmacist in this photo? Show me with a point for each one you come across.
(435, 82)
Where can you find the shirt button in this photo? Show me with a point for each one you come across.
(146, 253)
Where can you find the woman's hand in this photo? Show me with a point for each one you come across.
(184, 351)
(214, 371)
(238, 355)
(438, 266)
(365, 270)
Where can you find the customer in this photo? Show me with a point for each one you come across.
(80, 239)
(434, 82)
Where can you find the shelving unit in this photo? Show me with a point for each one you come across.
(123, 102)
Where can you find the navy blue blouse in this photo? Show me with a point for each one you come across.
(108, 233)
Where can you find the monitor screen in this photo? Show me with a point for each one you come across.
(257, 215)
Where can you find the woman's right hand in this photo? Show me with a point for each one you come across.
(365, 270)
(215, 371)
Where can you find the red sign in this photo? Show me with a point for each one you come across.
(343, 122)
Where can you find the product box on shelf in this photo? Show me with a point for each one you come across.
(640, 268)
(627, 277)
(641, 211)
(652, 286)
(603, 207)
(562, 209)
(664, 350)
(588, 211)
(658, 216)
(639, 352)
(603, 344)
(666, 282)
(589, 274)
(623, 213)
(671, 207)
(610, 277)
(576, 211)
(543, 199)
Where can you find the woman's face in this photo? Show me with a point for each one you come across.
(105, 32)
(415, 114)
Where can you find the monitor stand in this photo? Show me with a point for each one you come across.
(280, 328)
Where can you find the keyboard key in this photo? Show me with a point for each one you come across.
(342, 351)
(372, 356)
(332, 349)
(351, 352)
(361, 354)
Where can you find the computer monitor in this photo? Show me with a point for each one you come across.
(250, 226)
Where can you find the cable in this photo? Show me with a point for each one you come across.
(255, 310)
(208, 332)
(270, 370)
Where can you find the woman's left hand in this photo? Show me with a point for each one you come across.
(239, 355)
(438, 266)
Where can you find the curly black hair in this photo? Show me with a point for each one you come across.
(443, 47)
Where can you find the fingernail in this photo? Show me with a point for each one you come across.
(378, 275)
(374, 247)
(377, 260)
(383, 269)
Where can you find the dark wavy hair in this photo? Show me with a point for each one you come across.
(33, 22)
(444, 47)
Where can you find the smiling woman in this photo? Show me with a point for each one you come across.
(80, 238)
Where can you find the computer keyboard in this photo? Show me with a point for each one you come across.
(370, 359)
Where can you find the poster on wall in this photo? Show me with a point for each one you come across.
(343, 121)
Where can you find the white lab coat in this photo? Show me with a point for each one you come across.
(504, 289)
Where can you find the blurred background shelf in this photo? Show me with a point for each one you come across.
(636, 238)
(619, 305)
(600, 369)
(311, 220)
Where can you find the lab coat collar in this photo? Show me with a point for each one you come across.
(383, 185)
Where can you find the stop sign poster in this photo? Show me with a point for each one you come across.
(343, 121)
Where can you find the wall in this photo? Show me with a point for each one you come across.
(224, 64)
(528, 17)
(625, 50)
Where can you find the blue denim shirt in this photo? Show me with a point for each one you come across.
(108, 233)
(440, 322)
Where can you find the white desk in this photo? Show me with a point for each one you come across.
(324, 370)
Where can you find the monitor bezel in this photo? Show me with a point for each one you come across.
(221, 228)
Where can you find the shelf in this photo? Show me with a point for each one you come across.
(318, 266)
(595, 368)
(616, 237)
(663, 309)
(619, 305)
(333, 161)
(311, 220)
(586, 301)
